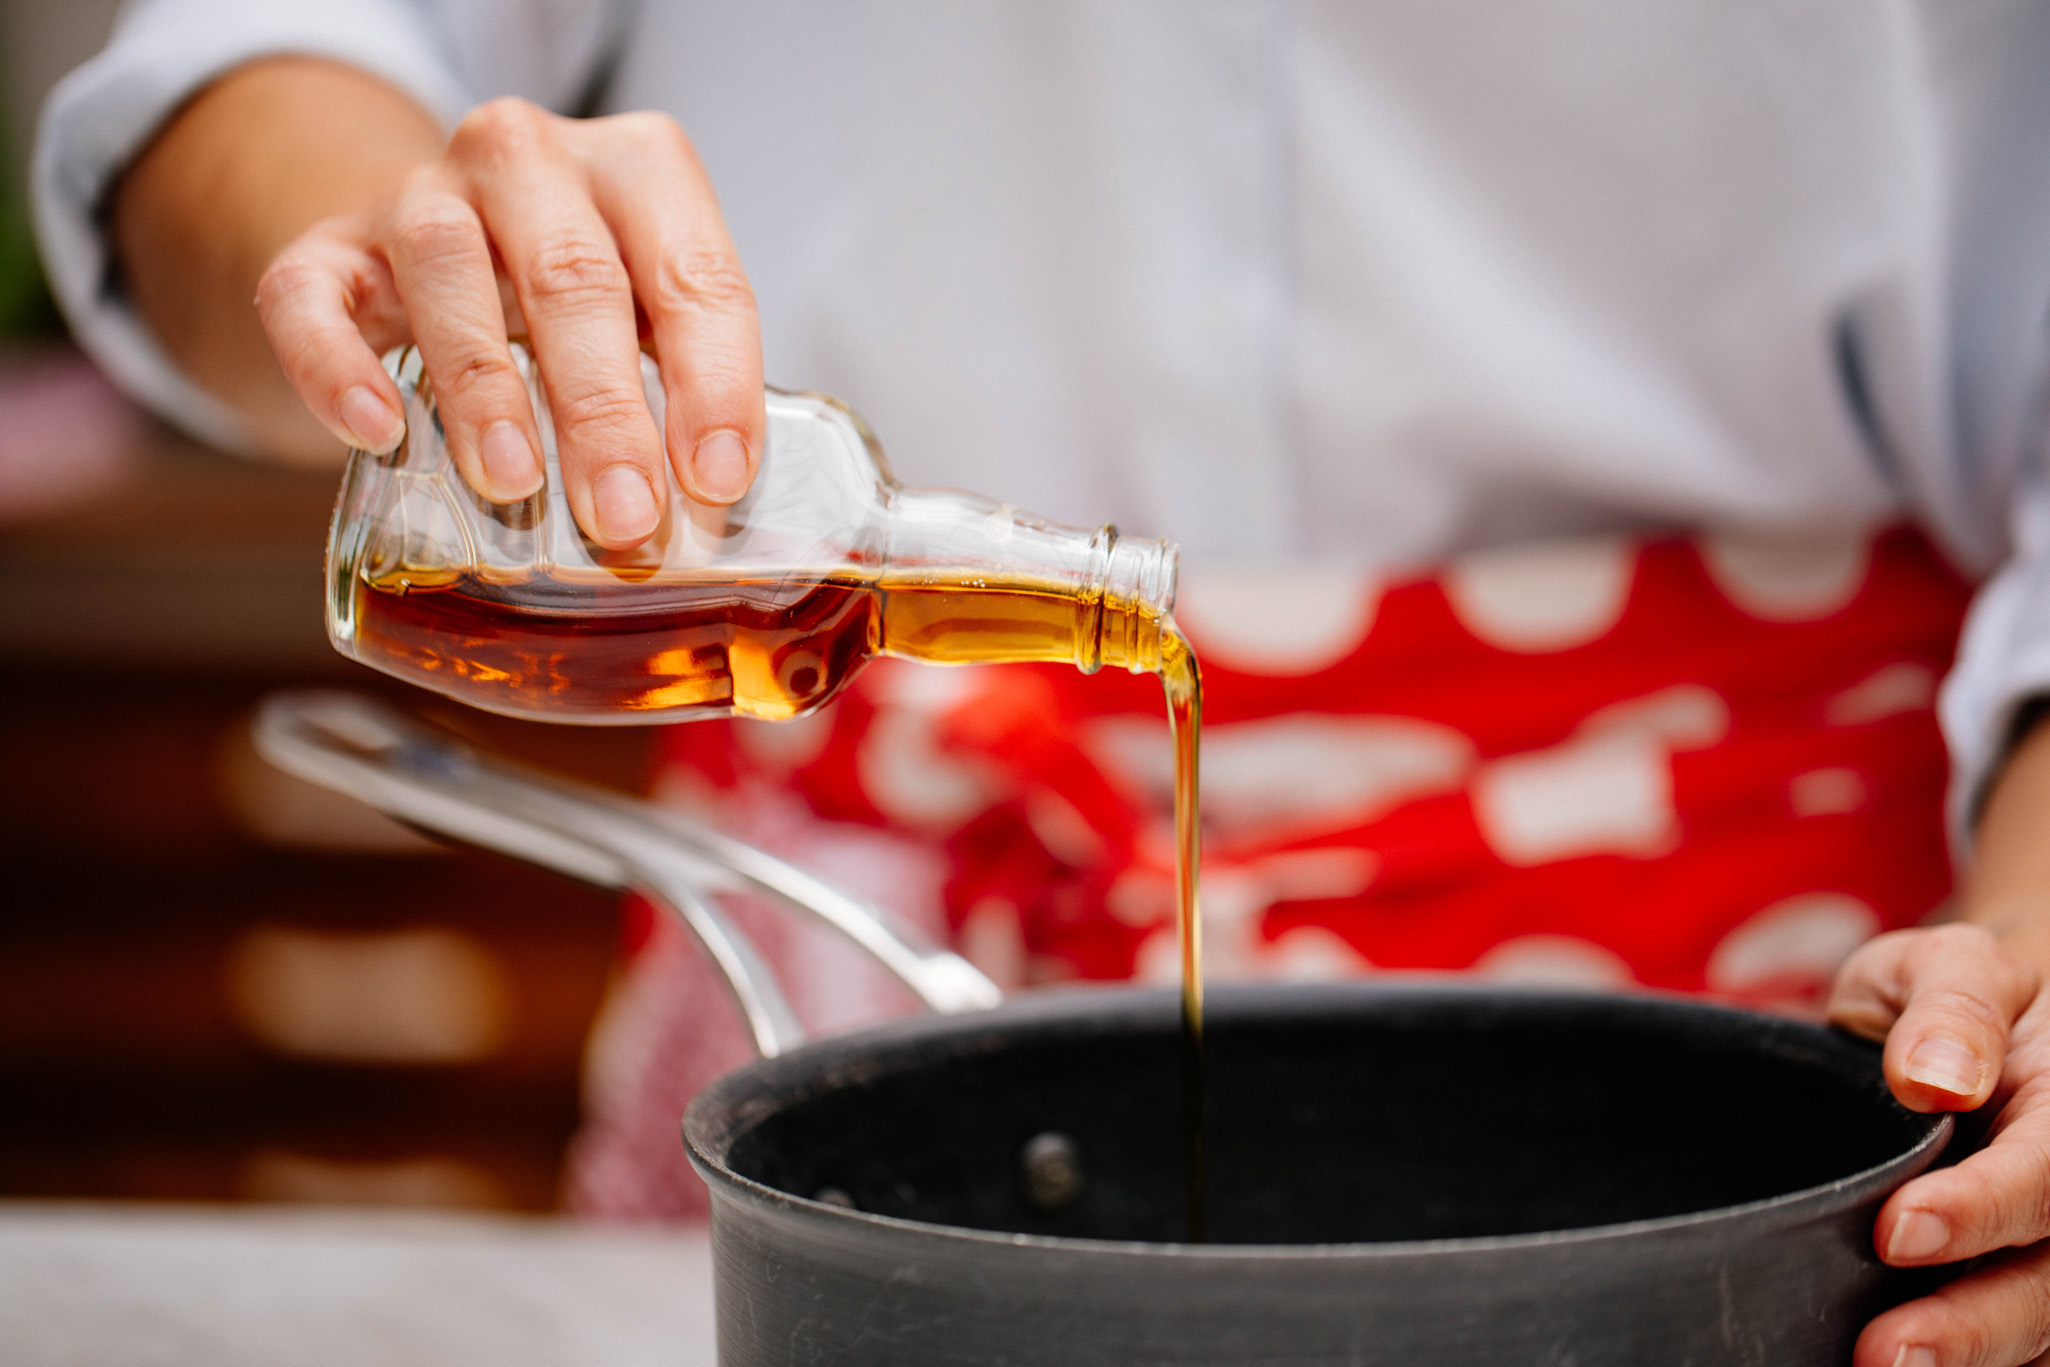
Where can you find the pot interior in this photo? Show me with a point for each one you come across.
(1334, 1115)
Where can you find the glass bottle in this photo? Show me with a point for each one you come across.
(763, 609)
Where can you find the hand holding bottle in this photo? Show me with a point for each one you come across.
(367, 231)
(586, 218)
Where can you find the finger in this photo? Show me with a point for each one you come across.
(307, 303)
(1997, 1317)
(441, 261)
(1997, 1198)
(573, 290)
(1952, 996)
(701, 309)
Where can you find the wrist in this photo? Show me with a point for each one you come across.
(245, 167)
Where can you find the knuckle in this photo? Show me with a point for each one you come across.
(1965, 1339)
(1997, 1315)
(290, 273)
(1966, 1008)
(2034, 1328)
(1962, 936)
(723, 391)
(649, 126)
(703, 281)
(495, 126)
(598, 409)
(1970, 1322)
(2001, 1207)
(1971, 1343)
(573, 270)
(435, 228)
(473, 374)
(2003, 1214)
(2028, 1109)
(665, 137)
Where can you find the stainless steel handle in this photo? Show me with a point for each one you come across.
(372, 752)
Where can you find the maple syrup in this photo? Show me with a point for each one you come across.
(1183, 683)
(693, 648)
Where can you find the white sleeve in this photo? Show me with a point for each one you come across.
(102, 114)
(2003, 663)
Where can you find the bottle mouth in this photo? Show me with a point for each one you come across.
(1143, 572)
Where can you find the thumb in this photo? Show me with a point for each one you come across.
(1943, 998)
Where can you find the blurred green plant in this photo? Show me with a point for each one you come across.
(26, 309)
(27, 312)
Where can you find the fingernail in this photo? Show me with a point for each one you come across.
(719, 466)
(1917, 1234)
(509, 461)
(625, 504)
(370, 420)
(1914, 1355)
(1945, 1065)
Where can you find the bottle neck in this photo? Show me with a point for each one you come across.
(1135, 603)
(967, 579)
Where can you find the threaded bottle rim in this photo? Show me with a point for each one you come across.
(1143, 571)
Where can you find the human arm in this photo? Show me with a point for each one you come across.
(329, 197)
(220, 192)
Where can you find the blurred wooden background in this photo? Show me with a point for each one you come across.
(217, 982)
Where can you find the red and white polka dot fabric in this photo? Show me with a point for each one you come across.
(1699, 764)
(1693, 764)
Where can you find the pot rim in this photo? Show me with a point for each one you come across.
(1770, 1212)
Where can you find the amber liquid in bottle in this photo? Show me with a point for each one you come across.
(714, 648)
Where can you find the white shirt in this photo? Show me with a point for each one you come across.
(1351, 284)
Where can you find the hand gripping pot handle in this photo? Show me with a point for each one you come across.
(424, 777)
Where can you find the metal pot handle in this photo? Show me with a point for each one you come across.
(425, 777)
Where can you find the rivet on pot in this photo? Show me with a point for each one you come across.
(834, 1196)
(1053, 1170)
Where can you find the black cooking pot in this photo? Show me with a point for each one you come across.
(1397, 1175)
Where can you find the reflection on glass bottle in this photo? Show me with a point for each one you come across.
(764, 609)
